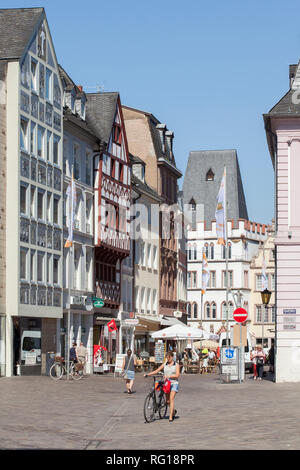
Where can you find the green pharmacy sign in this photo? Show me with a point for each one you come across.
(98, 303)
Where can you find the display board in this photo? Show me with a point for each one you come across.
(160, 350)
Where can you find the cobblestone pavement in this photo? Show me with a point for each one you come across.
(94, 413)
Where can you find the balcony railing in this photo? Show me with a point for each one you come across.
(108, 291)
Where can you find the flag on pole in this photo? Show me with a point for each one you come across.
(205, 274)
(71, 194)
(264, 277)
(220, 213)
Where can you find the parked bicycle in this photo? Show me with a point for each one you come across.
(58, 369)
(155, 402)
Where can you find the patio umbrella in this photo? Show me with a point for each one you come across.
(206, 343)
(181, 332)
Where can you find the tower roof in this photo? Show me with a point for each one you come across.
(202, 182)
(100, 113)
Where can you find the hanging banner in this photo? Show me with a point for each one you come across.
(220, 213)
(112, 326)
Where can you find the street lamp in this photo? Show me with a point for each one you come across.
(265, 298)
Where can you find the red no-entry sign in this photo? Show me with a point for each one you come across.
(240, 315)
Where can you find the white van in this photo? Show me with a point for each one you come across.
(247, 349)
(31, 346)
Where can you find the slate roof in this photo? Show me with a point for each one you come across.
(16, 29)
(100, 113)
(205, 192)
(137, 185)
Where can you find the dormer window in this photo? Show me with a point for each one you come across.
(139, 171)
(193, 204)
(210, 175)
(117, 135)
(83, 108)
(72, 104)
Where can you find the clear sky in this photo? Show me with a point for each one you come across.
(209, 70)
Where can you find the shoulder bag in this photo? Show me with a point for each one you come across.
(124, 372)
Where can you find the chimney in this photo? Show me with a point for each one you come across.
(80, 87)
(292, 73)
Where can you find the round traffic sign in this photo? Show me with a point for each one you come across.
(240, 315)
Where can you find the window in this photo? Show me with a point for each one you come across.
(154, 257)
(229, 250)
(154, 301)
(195, 251)
(56, 155)
(49, 198)
(206, 250)
(48, 274)
(272, 281)
(212, 251)
(24, 134)
(230, 310)
(148, 300)
(33, 138)
(55, 270)
(207, 310)
(136, 298)
(273, 312)
(117, 135)
(230, 279)
(258, 282)
(48, 94)
(88, 173)
(40, 267)
(195, 308)
(189, 278)
(223, 310)
(23, 199)
(33, 74)
(212, 279)
(55, 210)
(32, 265)
(189, 310)
(149, 260)
(213, 310)
(23, 261)
(210, 175)
(189, 252)
(32, 201)
(266, 314)
(49, 139)
(40, 204)
(41, 142)
(258, 314)
(142, 300)
(142, 253)
(194, 279)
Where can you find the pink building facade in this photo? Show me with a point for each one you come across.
(282, 125)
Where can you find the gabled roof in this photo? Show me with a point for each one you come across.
(140, 186)
(16, 28)
(205, 192)
(100, 113)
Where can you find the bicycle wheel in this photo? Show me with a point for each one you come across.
(56, 371)
(149, 408)
(76, 375)
(162, 406)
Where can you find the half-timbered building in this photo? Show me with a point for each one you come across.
(112, 175)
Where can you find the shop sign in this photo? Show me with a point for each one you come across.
(289, 311)
(98, 303)
(131, 321)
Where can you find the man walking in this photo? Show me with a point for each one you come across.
(81, 352)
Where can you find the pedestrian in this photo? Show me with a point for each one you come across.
(81, 353)
(211, 356)
(260, 360)
(73, 355)
(171, 373)
(253, 359)
(129, 364)
(205, 353)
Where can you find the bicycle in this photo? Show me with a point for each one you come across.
(155, 404)
(58, 370)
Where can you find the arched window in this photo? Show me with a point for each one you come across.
(195, 310)
(193, 204)
(224, 251)
(223, 311)
(195, 251)
(189, 251)
(206, 250)
(213, 310)
(212, 251)
(210, 175)
(207, 310)
(189, 310)
(193, 209)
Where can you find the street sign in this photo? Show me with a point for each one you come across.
(240, 315)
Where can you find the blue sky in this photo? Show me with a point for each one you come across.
(209, 70)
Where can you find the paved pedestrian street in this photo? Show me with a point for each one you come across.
(95, 413)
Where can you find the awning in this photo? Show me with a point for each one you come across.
(147, 324)
(169, 321)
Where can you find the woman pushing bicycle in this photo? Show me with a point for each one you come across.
(171, 373)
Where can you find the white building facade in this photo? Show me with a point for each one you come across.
(244, 239)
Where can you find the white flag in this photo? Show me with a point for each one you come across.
(71, 193)
(264, 277)
(220, 213)
(205, 274)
